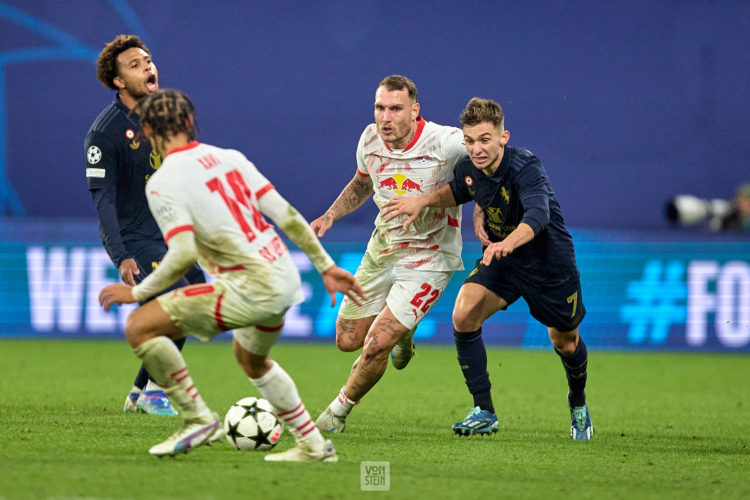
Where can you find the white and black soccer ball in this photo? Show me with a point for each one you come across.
(252, 425)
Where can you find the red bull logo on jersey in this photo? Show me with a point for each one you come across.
(399, 184)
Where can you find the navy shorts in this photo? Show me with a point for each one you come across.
(553, 300)
(148, 254)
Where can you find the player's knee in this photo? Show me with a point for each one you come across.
(465, 320)
(348, 339)
(564, 342)
(347, 345)
(135, 329)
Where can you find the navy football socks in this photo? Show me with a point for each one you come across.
(575, 371)
(472, 358)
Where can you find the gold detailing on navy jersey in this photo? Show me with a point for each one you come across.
(135, 144)
(574, 299)
(154, 265)
(506, 195)
(154, 159)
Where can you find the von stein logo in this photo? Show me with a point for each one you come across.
(375, 476)
(399, 184)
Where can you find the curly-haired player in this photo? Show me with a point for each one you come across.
(210, 204)
(118, 164)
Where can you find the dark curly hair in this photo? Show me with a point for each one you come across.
(106, 63)
(168, 112)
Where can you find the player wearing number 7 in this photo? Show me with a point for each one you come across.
(528, 253)
(209, 204)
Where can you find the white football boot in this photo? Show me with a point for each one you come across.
(193, 433)
(304, 453)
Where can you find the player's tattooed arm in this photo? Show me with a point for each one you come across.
(353, 196)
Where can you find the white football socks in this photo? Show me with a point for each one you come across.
(278, 388)
(342, 405)
(166, 365)
(152, 386)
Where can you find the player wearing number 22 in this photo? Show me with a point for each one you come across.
(209, 203)
(403, 272)
(528, 253)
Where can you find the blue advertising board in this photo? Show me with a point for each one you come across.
(641, 290)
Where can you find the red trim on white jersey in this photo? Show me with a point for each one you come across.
(363, 174)
(268, 187)
(420, 126)
(452, 222)
(238, 267)
(217, 314)
(189, 145)
(178, 229)
(269, 328)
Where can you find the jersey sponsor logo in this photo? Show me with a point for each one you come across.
(95, 172)
(93, 155)
(468, 180)
(506, 195)
(154, 159)
(400, 184)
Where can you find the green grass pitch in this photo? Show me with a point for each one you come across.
(667, 426)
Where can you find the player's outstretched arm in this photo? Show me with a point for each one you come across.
(413, 205)
(181, 255)
(336, 279)
(351, 198)
(295, 226)
(519, 236)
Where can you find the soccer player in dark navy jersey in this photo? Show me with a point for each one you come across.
(527, 253)
(118, 164)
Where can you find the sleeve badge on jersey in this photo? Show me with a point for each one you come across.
(95, 172)
(468, 180)
(93, 155)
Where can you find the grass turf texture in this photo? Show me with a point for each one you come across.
(667, 425)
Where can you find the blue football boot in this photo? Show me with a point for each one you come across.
(581, 427)
(155, 403)
(477, 422)
(130, 402)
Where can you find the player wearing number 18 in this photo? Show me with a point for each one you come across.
(209, 203)
(528, 253)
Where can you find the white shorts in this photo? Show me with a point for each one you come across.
(205, 310)
(408, 293)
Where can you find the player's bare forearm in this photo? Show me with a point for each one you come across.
(518, 237)
(478, 220)
(353, 196)
(411, 206)
(441, 198)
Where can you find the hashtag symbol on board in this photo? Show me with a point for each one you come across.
(655, 302)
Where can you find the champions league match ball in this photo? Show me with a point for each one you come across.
(251, 425)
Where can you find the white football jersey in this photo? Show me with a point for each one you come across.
(433, 240)
(214, 192)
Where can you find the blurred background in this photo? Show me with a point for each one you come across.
(630, 106)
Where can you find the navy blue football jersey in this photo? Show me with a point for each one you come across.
(118, 163)
(519, 191)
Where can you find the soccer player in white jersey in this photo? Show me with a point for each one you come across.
(209, 204)
(402, 272)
